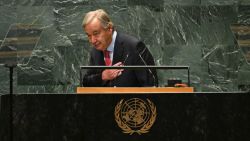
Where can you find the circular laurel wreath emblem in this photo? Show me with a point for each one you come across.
(135, 115)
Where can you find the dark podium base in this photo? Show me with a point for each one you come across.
(72, 117)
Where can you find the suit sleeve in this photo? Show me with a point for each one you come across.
(92, 78)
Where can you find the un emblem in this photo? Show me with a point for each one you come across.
(135, 115)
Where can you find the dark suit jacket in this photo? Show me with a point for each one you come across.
(130, 51)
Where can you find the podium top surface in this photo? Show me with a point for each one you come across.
(132, 90)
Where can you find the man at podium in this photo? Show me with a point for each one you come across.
(113, 48)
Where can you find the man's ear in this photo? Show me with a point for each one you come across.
(110, 28)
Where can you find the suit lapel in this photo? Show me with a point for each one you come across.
(118, 50)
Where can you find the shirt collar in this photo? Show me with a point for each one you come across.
(112, 44)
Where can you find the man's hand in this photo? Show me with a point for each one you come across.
(110, 74)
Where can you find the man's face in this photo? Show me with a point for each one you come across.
(99, 37)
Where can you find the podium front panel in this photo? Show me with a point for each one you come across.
(100, 117)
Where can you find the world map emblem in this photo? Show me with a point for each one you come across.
(135, 115)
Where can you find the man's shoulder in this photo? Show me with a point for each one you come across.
(127, 38)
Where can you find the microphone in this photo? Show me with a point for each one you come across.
(125, 59)
(144, 62)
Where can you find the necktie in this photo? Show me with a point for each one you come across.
(107, 58)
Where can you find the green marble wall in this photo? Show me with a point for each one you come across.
(178, 32)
